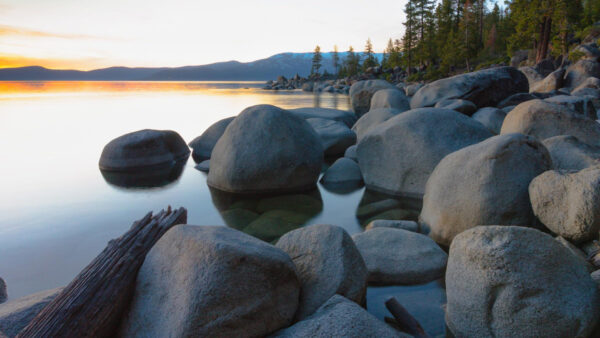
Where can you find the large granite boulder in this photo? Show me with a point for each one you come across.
(351, 153)
(328, 263)
(371, 119)
(340, 317)
(411, 89)
(462, 106)
(568, 153)
(16, 314)
(361, 93)
(484, 88)
(483, 184)
(335, 136)
(543, 120)
(348, 118)
(398, 156)
(143, 149)
(492, 118)
(390, 98)
(206, 281)
(578, 104)
(514, 281)
(266, 149)
(343, 171)
(533, 76)
(578, 72)
(203, 145)
(567, 203)
(553, 81)
(397, 256)
(590, 82)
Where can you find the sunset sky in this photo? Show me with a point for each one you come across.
(88, 34)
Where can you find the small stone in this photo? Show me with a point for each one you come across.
(396, 224)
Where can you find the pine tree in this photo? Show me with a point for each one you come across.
(335, 59)
(424, 17)
(352, 63)
(409, 40)
(316, 61)
(370, 60)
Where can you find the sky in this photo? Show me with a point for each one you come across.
(90, 34)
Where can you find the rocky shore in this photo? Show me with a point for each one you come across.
(504, 164)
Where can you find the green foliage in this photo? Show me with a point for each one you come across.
(316, 61)
(370, 60)
(576, 55)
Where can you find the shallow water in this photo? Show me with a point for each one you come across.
(58, 211)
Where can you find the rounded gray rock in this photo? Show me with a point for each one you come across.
(212, 282)
(203, 145)
(491, 118)
(390, 98)
(461, 106)
(394, 224)
(328, 263)
(553, 81)
(351, 153)
(203, 166)
(568, 153)
(578, 72)
(578, 104)
(266, 149)
(483, 184)
(335, 136)
(343, 171)
(372, 118)
(400, 257)
(505, 280)
(361, 93)
(348, 118)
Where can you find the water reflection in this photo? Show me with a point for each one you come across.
(375, 205)
(147, 178)
(267, 217)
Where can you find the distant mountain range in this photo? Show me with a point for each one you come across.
(286, 64)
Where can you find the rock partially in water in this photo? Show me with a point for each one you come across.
(16, 314)
(372, 118)
(396, 256)
(340, 317)
(361, 93)
(567, 203)
(342, 171)
(379, 206)
(351, 153)
(578, 104)
(335, 136)
(544, 120)
(462, 106)
(266, 149)
(348, 118)
(212, 282)
(394, 224)
(483, 184)
(390, 98)
(154, 177)
(203, 145)
(397, 156)
(504, 280)
(328, 263)
(485, 88)
(568, 153)
(143, 149)
(491, 118)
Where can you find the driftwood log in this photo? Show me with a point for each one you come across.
(405, 321)
(94, 302)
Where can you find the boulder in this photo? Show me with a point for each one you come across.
(491, 118)
(328, 263)
(266, 149)
(16, 314)
(591, 93)
(516, 99)
(203, 166)
(518, 57)
(395, 224)
(578, 72)
(207, 281)
(484, 88)
(343, 171)
(351, 153)
(566, 202)
(590, 82)
(483, 184)
(348, 118)
(545, 67)
(335, 136)
(502, 281)
(543, 120)
(398, 156)
(371, 119)
(411, 89)
(575, 251)
(3, 294)
(396, 256)
(552, 82)
(203, 145)
(361, 93)
(390, 98)
(588, 51)
(340, 317)
(532, 75)
(568, 153)
(461, 106)
(143, 149)
(578, 104)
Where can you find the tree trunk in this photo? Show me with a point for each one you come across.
(545, 31)
(94, 302)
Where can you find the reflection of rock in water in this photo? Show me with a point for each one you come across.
(145, 178)
(267, 217)
(376, 205)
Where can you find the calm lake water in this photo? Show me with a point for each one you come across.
(57, 211)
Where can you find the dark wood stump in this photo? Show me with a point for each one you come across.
(93, 304)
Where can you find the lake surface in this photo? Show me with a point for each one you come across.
(58, 211)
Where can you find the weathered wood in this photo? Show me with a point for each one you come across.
(406, 322)
(94, 302)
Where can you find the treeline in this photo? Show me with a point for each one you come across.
(448, 36)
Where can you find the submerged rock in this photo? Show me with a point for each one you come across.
(371, 119)
(568, 153)
(483, 184)
(504, 280)
(361, 93)
(16, 314)
(491, 118)
(143, 149)
(266, 149)
(335, 136)
(203, 145)
(328, 263)
(390, 98)
(212, 281)
(342, 171)
(398, 155)
(396, 256)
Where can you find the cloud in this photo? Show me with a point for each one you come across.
(6, 30)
